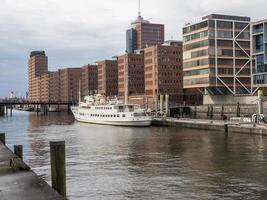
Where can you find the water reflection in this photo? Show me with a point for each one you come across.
(105, 162)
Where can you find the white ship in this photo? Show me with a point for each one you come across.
(97, 110)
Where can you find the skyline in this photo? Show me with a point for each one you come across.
(76, 34)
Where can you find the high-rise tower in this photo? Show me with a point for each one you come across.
(143, 34)
(37, 67)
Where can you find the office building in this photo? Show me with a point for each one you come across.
(143, 34)
(107, 77)
(54, 86)
(37, 66)
(89, 80)
(131, 73)
(69, 84)
(217, 58)
(164, 73)
(259, 40)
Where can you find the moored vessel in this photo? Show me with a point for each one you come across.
(96, 109)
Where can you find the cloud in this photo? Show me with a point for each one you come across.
(77, 32)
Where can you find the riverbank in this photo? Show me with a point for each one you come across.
(212, 125)
(19, 182)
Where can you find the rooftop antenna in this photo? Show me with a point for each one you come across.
(139, 8)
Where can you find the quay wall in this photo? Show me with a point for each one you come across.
(219, 111)
(211, 126)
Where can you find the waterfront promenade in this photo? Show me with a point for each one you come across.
(18, 182)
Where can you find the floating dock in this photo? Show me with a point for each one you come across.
(19, 182)
(214, 125)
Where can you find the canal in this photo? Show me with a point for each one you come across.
(105, 162)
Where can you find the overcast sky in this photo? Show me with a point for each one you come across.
(77, 32)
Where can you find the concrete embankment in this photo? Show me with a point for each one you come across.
(215, 125)
(18, 182)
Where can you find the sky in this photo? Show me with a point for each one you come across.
(74, 33)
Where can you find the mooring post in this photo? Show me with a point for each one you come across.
(222, 112)
(226, 129)
(6, 110)
(208, 112)
(58, 168)
(211, 112)
(3, 138)
(11, 110)
(238, 110)
(18, 150)
(37, 109)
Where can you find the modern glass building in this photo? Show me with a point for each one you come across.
(131, 40)
(259, 38)
(216, 55)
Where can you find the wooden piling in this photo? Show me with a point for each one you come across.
(18, 150)
(58, 168)
(11, 107)
(226, 129)
(3, 138)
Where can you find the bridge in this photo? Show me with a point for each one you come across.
(38, 106)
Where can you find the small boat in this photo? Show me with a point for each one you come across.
(97, 110)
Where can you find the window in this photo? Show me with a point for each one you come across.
(259, 43)
(123, 115)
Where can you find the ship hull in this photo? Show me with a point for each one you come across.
(110, 118)
(137, 123)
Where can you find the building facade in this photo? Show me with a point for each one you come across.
(54, 86)
(89, 80)
(143, 34)
(259, 41)
(164, 73)
(131, 74)
(217, 58)
(69, 84)
(107, 77)
(37, 67)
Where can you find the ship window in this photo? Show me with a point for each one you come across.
(114, 115)
(108, 115)
(118, 115)
(123, 115)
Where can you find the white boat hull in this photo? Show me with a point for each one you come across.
(137, 123)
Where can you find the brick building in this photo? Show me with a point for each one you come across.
(107, 77)
(69, 84)
(89, 79)
(164, 73)
(131, 69)
(37, 66)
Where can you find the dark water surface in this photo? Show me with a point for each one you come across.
(105, 162)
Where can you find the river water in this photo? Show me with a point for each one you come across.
(106, 162)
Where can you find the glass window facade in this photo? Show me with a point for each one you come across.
(131, 40)
(196, 36)
(197, 72)
(259, 43)
(195, 27)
